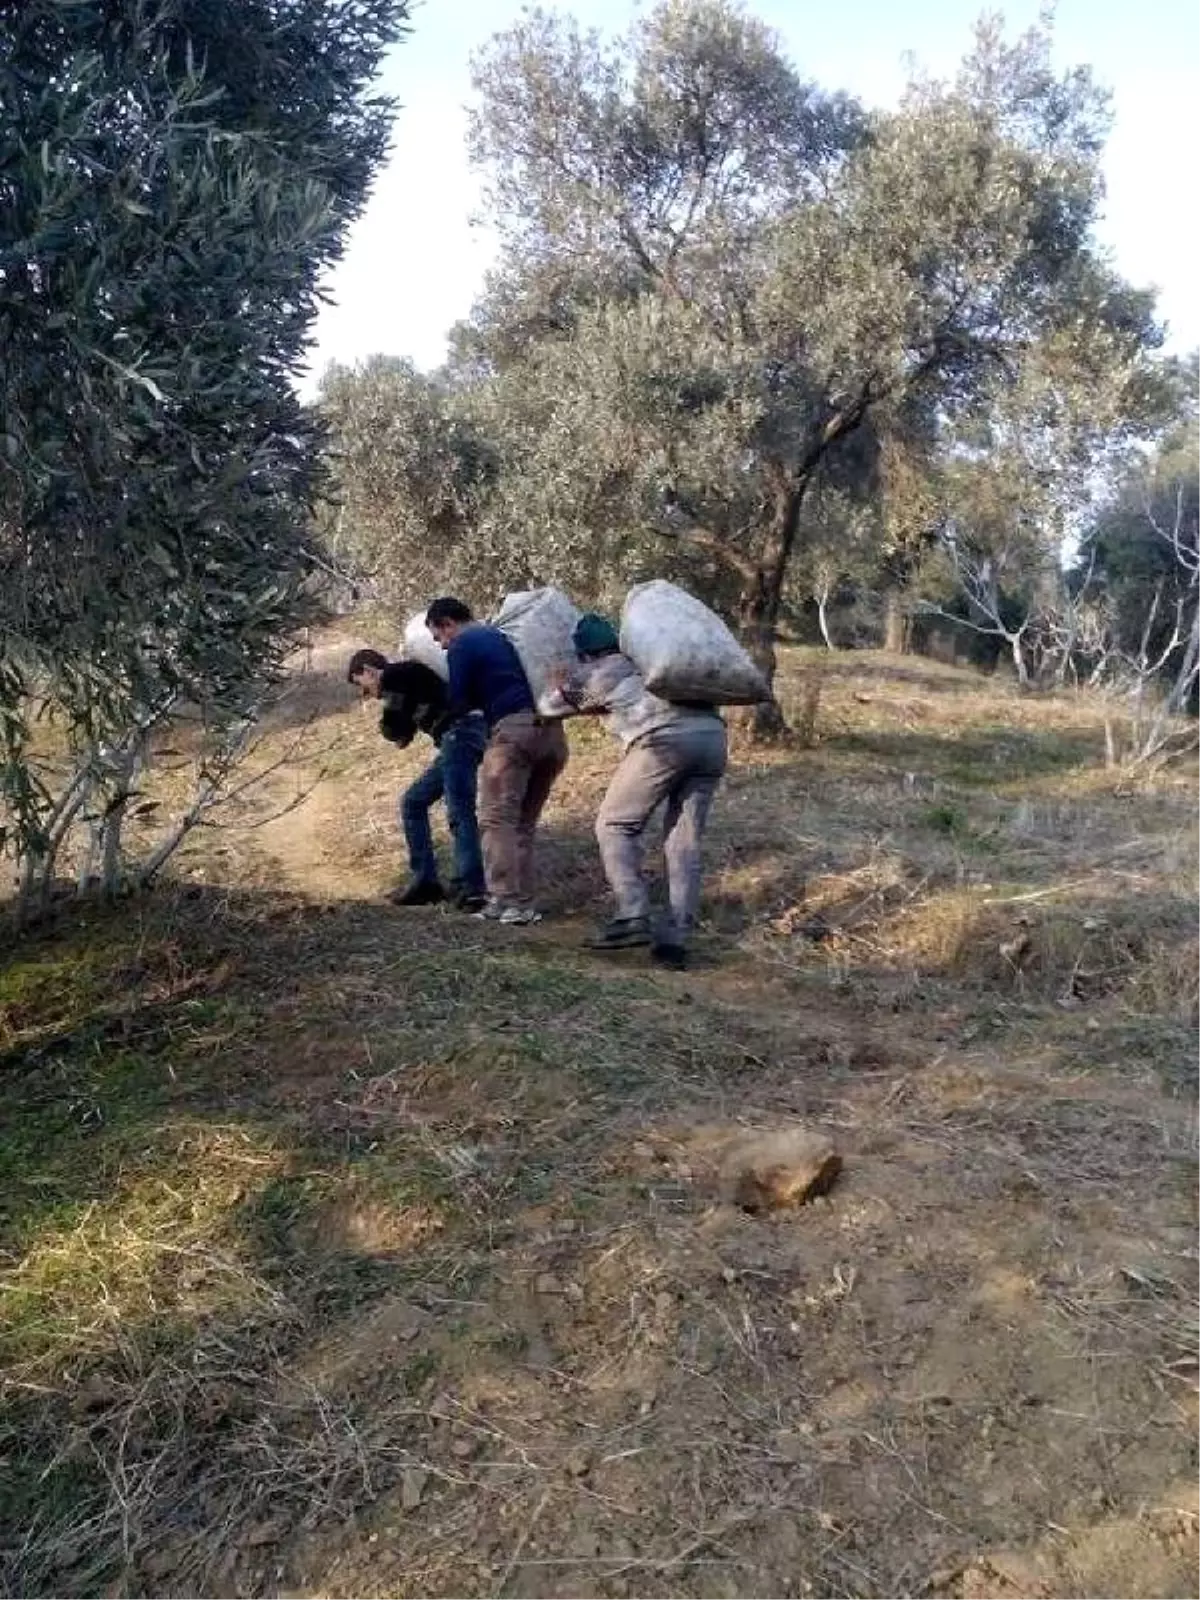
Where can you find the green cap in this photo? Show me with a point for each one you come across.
(594, 635)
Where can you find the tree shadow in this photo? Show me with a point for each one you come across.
(846, 666)
(311, 696)
(241, 1127)
(1001, 754)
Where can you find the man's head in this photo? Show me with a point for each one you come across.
(366, 671)
(446, 618)
(595, 636)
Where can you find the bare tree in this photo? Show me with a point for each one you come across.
(979, 579)
(1171, 657)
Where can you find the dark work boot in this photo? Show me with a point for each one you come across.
(622, 933)
(421, 892)
(467, 899)
(672, 956)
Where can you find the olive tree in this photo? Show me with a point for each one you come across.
(721, 275)
(175, 177)
(411, 469)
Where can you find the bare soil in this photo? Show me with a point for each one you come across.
(352, 1251)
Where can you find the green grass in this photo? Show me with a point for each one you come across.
(244, 1138)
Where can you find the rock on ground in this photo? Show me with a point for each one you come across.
(775, 1171)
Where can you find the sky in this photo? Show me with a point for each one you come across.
(415, 262)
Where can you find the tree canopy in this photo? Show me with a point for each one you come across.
(734, 312)
(175, 177)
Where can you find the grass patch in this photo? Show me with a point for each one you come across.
(322, 1222)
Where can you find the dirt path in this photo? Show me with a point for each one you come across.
(397, 1258)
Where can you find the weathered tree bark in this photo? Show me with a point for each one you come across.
(760, 606)
(1185, 679)
(1016, 646)
(822, 599)
(757, 625)
(896, 635)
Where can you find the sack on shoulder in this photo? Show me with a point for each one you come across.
(419, 645)
(684, 651)
(540, 623)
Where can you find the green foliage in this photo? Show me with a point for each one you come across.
(174, 178)
(793, 270)
(744, 334)
(411, 473)
(1142, 549)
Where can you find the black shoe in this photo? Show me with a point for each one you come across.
(623, 933)
(463, 900)
(673, 956)
(418, 893)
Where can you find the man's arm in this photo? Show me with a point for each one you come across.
(460, 658)
(583, 687)
(396, 724)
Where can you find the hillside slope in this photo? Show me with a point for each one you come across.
(352, 1251)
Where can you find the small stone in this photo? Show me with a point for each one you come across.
(579, 1463)
(775, 1171)
(567, 1225)
(547, 1283)
(574, 1293)
(96, 1392)
(728, 1275)
(412, 1488)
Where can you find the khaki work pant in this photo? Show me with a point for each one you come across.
(523, 758)
(682, 764)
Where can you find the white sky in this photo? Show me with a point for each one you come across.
(415, 263)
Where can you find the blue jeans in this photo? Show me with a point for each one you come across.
(452, 774)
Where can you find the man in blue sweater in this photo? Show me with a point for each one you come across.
(523, 758)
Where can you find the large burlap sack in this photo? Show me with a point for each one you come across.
(540, 623)
(420, 645)
(684, 651)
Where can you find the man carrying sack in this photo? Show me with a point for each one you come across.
(415, 700)
(672, 753)
(524, 754)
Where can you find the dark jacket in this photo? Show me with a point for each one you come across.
(486, 674)
(414, 701)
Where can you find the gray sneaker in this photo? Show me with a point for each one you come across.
(491, 911)
(519, 916)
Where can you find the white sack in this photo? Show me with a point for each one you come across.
(540, 623)
(684, 651)
(420, 645)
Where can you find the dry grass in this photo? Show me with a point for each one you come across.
(347, 1252)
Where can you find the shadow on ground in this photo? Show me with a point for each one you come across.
(372, 1253)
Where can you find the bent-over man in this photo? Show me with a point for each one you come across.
(415, 700)
(674, 755)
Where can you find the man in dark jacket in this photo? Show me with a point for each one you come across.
(415, 701)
